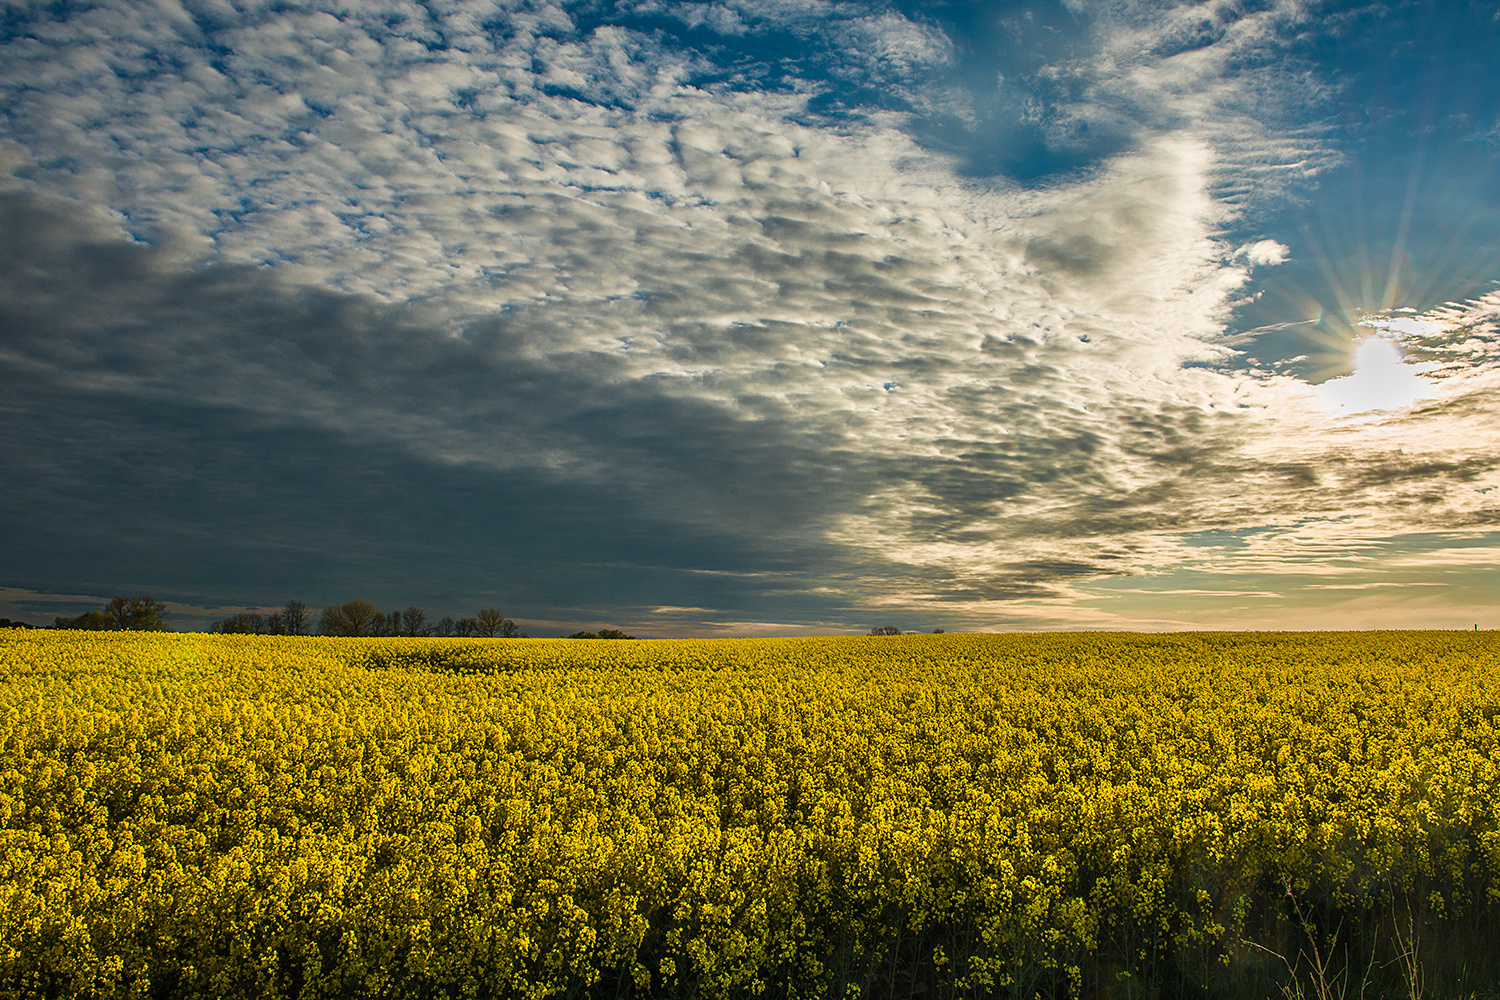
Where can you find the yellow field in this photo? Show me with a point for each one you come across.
(244, 816)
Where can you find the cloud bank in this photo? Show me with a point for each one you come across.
(736, 316)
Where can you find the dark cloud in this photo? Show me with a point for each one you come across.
(210, 430)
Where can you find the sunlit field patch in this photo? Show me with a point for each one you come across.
(894, 817)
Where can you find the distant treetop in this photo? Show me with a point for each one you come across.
(290, 620)
(133, 614)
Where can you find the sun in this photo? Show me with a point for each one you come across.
(1382, 380)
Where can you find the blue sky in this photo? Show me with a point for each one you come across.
(754, 316)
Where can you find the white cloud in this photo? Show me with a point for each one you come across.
(1008, 389)
(1263, 253)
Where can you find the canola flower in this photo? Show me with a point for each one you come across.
(959, 815)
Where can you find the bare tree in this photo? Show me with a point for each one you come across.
(294, 617)
(885, 630)
(414, 621)
(144, 614)
(490, 621)
(352, 618)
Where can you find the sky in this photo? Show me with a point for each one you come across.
(754, 317)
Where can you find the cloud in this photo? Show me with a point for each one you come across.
(1263, 252)
(379, 292)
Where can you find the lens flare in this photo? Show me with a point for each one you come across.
(1381, 380)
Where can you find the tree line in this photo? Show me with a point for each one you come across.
(361, 618)
(352, 618)
(135, 614)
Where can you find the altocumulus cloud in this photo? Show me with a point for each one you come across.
(743, 316)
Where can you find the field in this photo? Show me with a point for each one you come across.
(883, 818)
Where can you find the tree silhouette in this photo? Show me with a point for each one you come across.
(414, 622)
(91, 621)
(137, 614)
(490, 621)
(354, 618)
(294, 617)
(243, 624)
(143, 614)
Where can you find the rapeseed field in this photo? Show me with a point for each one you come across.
(887, 818)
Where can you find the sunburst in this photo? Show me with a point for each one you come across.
(1363, 274)
(1382, 380)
